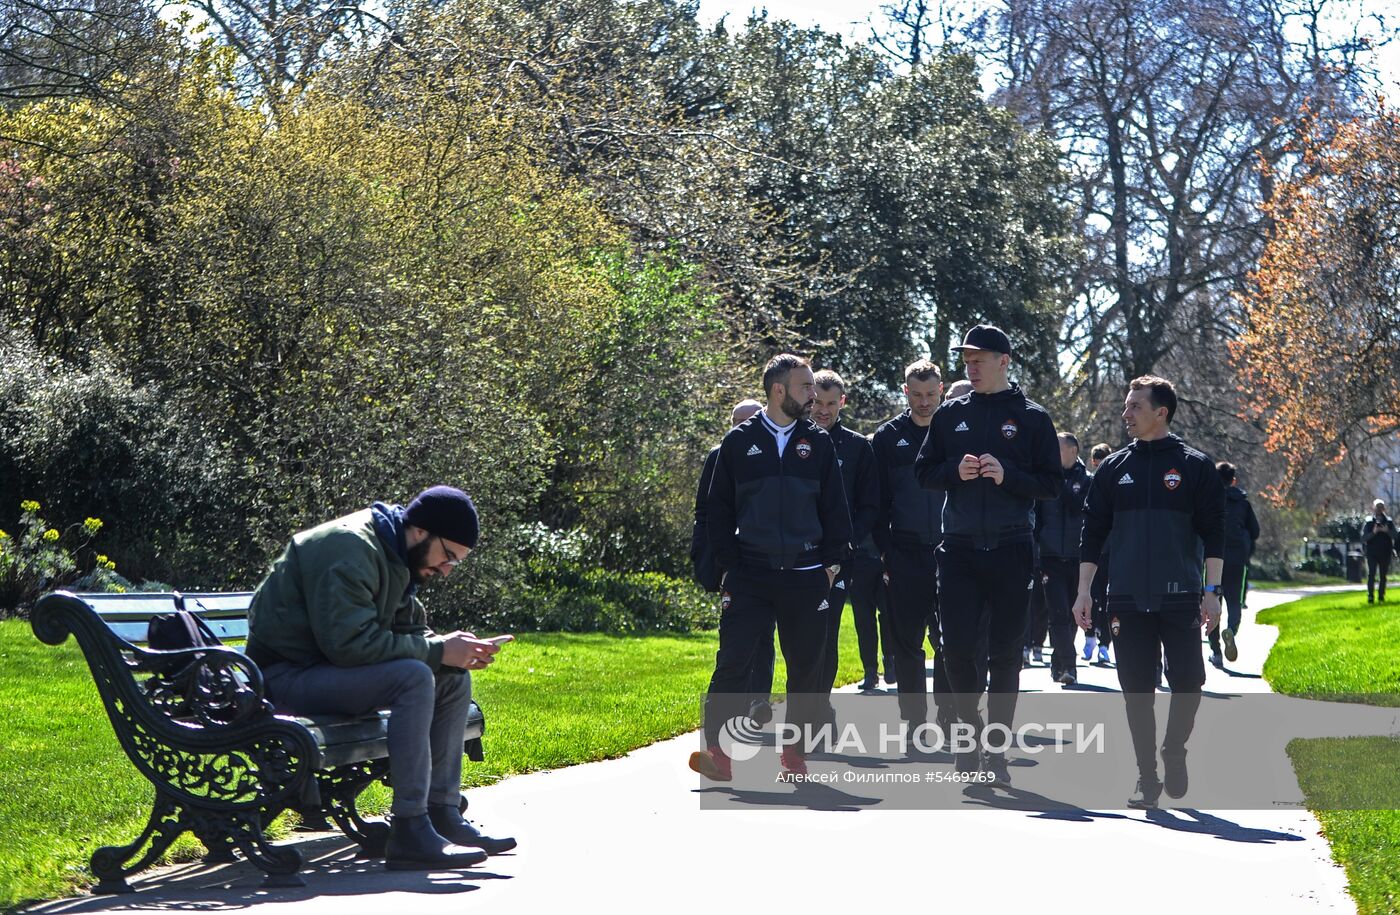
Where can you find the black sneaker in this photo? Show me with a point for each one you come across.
(1174, 762)
(968, 762)
(760, 712)
(1068, 678)
(871, 681)
(1146, 796)
(995, 763)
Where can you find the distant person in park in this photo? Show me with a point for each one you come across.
(1381, 539)
(861, 575)
(994, 453)
(1160, 505)
(1241, 533)
(780, 529)
(702, 558)
(908, 532)
(1100, 637)
(1058, 525)
(1097, 454)
(337, 629)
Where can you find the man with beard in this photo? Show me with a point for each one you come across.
(1160, 505)
(780, 530)
(995, 453)
(861, 577)
(908, 532)
(336, 629)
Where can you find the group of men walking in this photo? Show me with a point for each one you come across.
(955, 514)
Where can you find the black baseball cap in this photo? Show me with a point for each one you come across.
(985, 336)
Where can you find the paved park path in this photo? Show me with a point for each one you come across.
(628, 835)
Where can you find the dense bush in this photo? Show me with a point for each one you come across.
(1270, 568)
(1322, 565)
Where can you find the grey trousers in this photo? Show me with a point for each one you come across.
(428, 716)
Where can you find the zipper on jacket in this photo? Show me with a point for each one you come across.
(782, 487)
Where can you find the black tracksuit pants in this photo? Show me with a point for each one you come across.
(913, 597)
(757, 601)
(983, 600)
(1140, 642)
(836, 607)
(871, 609)
(1037, 618)
(1232, 587)
(1059, 587)
(1377, 564)
(1098, 590)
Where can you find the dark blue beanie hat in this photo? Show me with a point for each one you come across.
(445, 511)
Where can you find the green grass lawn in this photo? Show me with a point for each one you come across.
(1302, 580)
(1334, 646)
(552, 700)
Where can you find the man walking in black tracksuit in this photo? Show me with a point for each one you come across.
(1379, 535)
(702, 559)
(907, 533)
(780, 529)
(995, 453)
(1160, 506)
(1058, 524)
(858, 477)
(1241, 533)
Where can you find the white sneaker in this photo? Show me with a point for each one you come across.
(1090, 642)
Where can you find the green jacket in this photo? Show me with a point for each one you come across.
(337, 594)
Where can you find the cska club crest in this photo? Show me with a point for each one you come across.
(804, 449)
(1114, 626)
(1172, 479)
(1008, 429)
(725, 600)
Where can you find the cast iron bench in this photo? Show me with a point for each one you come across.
(223, 760)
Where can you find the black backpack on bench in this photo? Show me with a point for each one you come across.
(180, 630)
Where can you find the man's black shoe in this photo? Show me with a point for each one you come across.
(967, 763)
(1146, 796)
(415, 846)
(448, 822)
(871, 681)
(995, 763)
(1174, 762)
(760, 712)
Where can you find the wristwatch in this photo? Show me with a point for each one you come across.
(1212, 589)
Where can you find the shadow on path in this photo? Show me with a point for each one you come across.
(332, 869)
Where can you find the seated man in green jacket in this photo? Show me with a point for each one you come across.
(336, 629)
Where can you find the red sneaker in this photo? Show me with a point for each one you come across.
(792, 761)
(713, 764)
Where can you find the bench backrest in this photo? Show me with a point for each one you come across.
(129, 615)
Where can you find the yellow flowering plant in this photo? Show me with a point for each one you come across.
(39, 558)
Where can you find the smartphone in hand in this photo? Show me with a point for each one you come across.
(499, 640)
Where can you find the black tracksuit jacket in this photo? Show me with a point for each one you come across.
(1018, 432)
(771, 513)
(910, 515)
(1060, 522)
(861, 481)
(702, 558)
(1160, 507)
